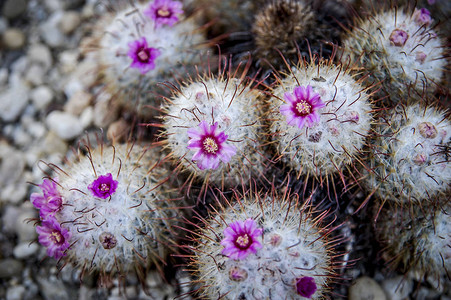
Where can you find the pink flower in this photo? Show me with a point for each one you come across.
(241, 239)
(302, 107)
(48, 203)
(142, 55)
(306, 286)
(398, 37)
(211, 146)
(54, 237)
(164, 12)
(104, 186)
(422, 16)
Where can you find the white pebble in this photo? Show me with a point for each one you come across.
(41, 96)
(39, 53)
(25, 249)
(87, 117)
(13, 101)
(65, 125)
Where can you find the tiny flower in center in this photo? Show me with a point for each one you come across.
(142, 55)
(302, 107)
(211, 145)
(241, 239)
(306, 286)
(164, 12)
(422, 16)
(104, 186)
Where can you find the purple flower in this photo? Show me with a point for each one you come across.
(241, 239)
(210, 145)
(305, 286)
(164, 12)
(104, 186)
(54, 237)
(142, 55)
(422, 16)
(50, 201)
(398, 37)
(302, 107)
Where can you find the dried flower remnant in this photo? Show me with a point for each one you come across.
(108, 240)
(306, 286)
(142, 55)
(211, 146)
(398, 37)
(104, 186)
(164, 12)
(241, 239)
(50, 201)
(302, 108)
(54, 237)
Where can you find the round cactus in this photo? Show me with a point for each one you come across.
(142, 45)
(424, 241)
(110, 211)
(261, 246)
(400, 49)
(409, 160)
(211, 128)
(319, 118)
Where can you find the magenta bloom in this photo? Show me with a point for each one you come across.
(210, 145)
(54, 237)
(302, 107)
(241, 239)
(142, 55)
(422, 16)
(50, 201)
(164, 12)
(305, 286)
(104, 186)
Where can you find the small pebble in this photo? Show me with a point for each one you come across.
(366, 288)
(87, 117)
(13, 38)
(40, 53)
(13, 8)
(50, 32)
(16, 292)
(25, 227)
(397, 288)
(69, 22)
(78, 102)
(13, 101)
(25, 249)
(10, 267)
(65, 125)
(41, 96)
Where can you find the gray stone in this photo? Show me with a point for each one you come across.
(366, 288)
(25, 229)
(13, 38)
(14, 193)
(40, 54)
(16, 292)
(78, 102)
(10, 268)
(12, 164)
(10, 215)
(35, 75)
(397, 288)
(52, 288)
(14, 8)
(50, 32)
(65, 125)
(69, 22)
(12, 101)
(25, 249)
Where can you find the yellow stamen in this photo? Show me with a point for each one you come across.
(210, 145)
(56, 236)
(304, 108)
(243, 240)
(163, 12)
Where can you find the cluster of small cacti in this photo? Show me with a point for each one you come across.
(114, 210)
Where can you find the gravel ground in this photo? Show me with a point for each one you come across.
(47, 104)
